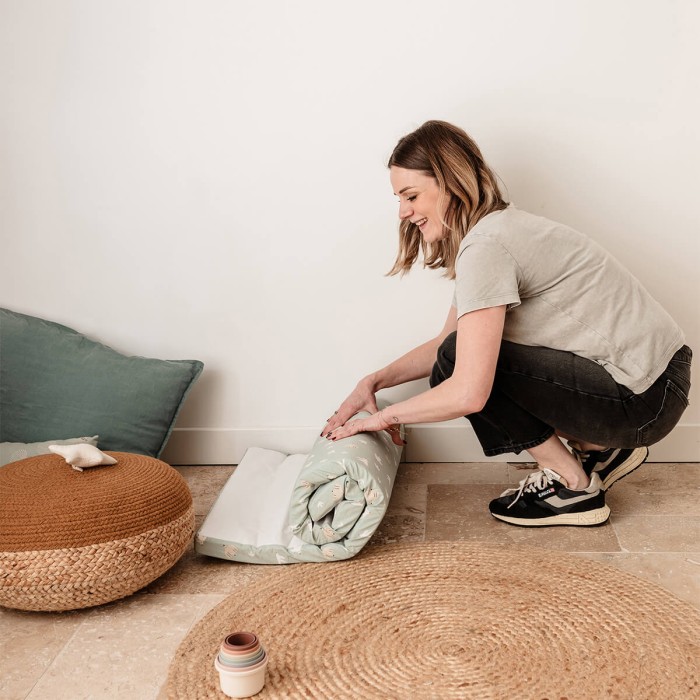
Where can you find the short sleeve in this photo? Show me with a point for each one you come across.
(486, 275)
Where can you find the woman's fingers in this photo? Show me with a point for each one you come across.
(357, 426)
(347, 410)
(395, 434)
(339, 418)
(333, 422)
(354, 427)
(343, 431)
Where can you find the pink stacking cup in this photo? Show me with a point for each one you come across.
(240, 642)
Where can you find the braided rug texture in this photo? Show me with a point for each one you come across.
(453, 620)
(73, 539)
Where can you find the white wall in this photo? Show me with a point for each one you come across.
(206, 179)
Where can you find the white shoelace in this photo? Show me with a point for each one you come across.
(531, 483)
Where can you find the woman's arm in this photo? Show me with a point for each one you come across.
(415, 364)
(479, 335)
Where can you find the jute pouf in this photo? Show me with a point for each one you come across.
(72, 539)
(454, 620)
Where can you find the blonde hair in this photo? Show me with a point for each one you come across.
(446, 153)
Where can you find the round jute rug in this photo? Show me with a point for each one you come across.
(453, 620)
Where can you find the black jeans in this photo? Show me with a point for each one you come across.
(539, 390)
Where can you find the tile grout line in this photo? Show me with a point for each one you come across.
(56, 656)
(195, 618)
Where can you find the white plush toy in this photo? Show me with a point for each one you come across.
(82, 456)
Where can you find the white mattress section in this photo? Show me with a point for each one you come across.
(253, 506)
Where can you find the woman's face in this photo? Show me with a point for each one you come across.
(419, 201)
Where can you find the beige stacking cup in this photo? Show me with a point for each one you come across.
(241, 663)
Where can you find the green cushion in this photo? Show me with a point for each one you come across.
(55, 381)
(14, 451)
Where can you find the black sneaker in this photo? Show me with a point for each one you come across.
(544, 499)
(611, 464)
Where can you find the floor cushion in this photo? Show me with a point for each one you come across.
(57, 383)
(71, 539)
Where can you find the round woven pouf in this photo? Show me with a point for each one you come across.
(71, 539)
(453, 620)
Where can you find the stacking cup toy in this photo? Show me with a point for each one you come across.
(241, 664)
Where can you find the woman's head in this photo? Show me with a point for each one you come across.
(444, 188)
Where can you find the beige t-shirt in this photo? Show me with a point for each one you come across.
(565, 292)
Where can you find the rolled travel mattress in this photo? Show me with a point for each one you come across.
(283, 509)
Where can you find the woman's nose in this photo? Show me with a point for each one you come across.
(405, 210)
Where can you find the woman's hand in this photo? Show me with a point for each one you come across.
(361, 399)
(377, 421)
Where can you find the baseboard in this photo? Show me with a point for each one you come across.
(450, 442)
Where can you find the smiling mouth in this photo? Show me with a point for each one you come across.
(421, 223)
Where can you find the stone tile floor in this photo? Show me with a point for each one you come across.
(123, 650)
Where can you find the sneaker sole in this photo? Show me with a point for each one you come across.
(636, 459)
(589, 518)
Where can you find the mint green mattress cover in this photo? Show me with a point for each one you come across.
(323, 506)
